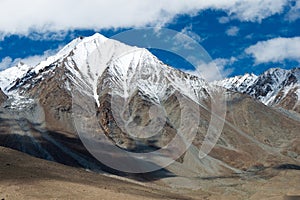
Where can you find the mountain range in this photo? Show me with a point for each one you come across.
(275, 87)
(137, 101)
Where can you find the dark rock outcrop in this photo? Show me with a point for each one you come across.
(3, 97)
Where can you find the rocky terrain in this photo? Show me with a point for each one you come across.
(3, 97)
(98, 88)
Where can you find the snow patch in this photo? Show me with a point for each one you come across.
(8, 76)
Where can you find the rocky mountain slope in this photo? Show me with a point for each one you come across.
(3, 97)
(276, 87)
(140, 104)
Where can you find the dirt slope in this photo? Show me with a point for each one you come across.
(26, 177)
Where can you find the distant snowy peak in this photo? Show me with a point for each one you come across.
(238, 83)
(8, 76)
(275, 87)
(269, 84)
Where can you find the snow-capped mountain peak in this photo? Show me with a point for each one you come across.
(78, 43)
(84, 56)
(140, 69)
(12, 74)
(84, 60)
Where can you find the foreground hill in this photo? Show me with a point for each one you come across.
(26, 177)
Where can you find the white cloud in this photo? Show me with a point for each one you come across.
(225, 61)
(181, 40)
(257, 10)
(6, 63)
(224, 20)
(36, 59)
(22, 17)
(185, 39)
(249, 36)
(58, 36)
(233, 31)
(188, 31)
(215, 70)
(31, 60)
(294, 12)
(275, 50)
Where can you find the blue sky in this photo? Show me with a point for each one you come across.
(241, 36)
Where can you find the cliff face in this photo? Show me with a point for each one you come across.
(3, 97)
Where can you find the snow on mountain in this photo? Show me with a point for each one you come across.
(238, 83)
(275, 87)
(98, 66)
(138, 68)
(8, 76)
(85, 60)
(268, 85)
